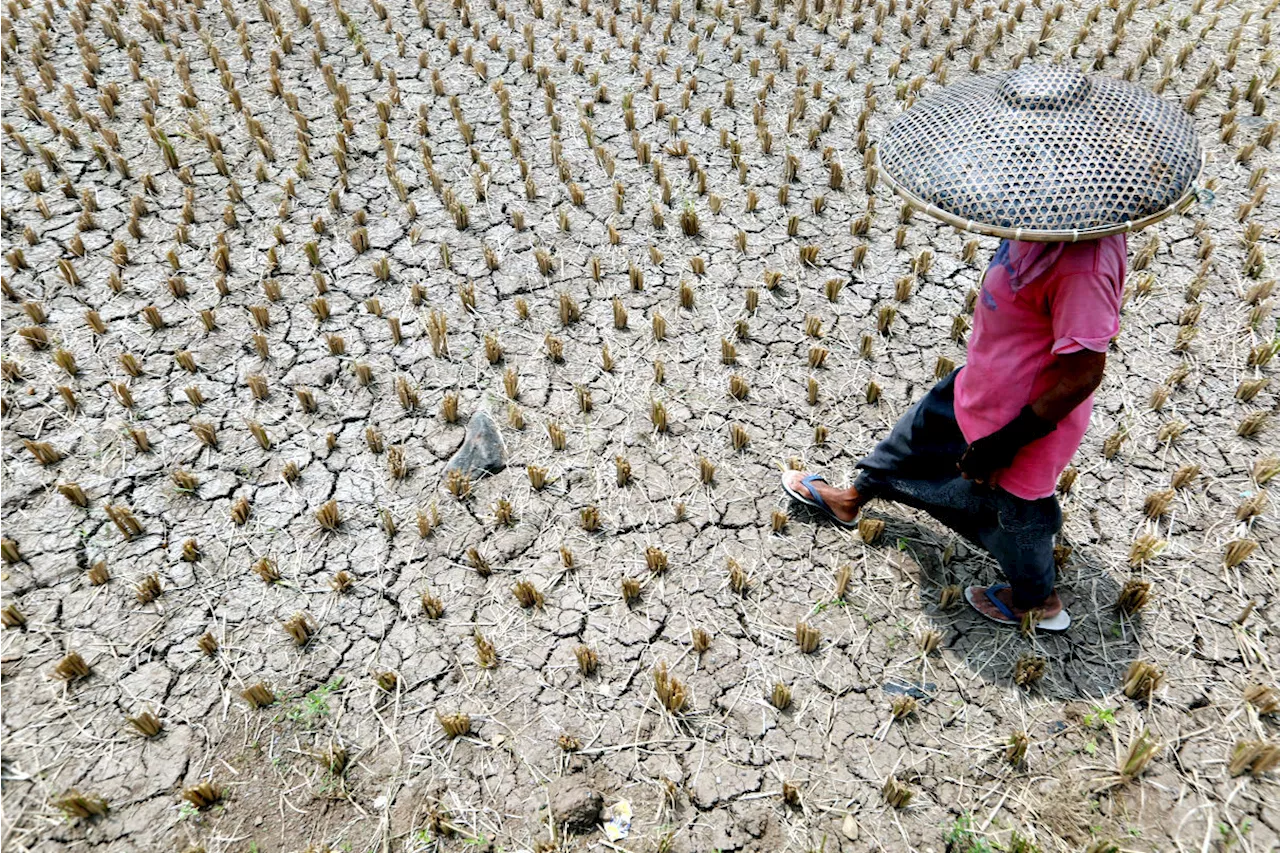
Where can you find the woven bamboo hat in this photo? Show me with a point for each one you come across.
(1043, 153)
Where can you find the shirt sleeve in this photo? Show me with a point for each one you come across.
(1085, 310)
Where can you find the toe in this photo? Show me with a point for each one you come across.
(794, 480)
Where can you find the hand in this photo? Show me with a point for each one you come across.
(996, 451)
(985, 457)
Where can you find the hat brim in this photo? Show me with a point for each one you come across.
(1043, 153)
(1032, 235)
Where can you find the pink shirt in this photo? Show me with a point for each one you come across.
(1018, 326)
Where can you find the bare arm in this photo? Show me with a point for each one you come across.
(1078, 375)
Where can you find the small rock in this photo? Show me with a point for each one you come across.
(482, 451)
(574, 805)
(850, 827)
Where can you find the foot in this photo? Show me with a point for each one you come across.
(1049, 608)
(844, 503)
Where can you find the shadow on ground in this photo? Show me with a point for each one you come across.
(1084, 663)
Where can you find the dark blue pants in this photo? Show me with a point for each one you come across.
(916, 465)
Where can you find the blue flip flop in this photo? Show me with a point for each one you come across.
(1056, 624)
(814, 500)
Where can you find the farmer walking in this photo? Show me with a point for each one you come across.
(1062, 166)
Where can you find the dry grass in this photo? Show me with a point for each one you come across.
(203, 795)
(807, 637)
(896, 794)
(1028, 670)
(455, 725)
(81, 806)
(671, 692)
(1142, 679)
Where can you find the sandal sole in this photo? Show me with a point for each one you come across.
(1055, 625)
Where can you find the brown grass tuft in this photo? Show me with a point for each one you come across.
(630, 590)
(148, 589)
(1237, 551)
(9, 550)
(328, 517)
(1142, 679)
(300, 629)
(12, 617)
(527, 595)
(588, 660)
(1185, 476)
(896, 794)
(903, 706)
(202, 796)
(807, 637)
(1015, 750)
(671, 691)
(80, 806)
(778, 521)
(71, 668)
(1134, 596)
(146, 724)
(74, 494)
(738, 580)
(266, 569)
(486, 653)
(455, 725)
(780, 696)
(240, 511)
(205, 432)
(1264, 699)
(1028, 670)
(656, 560)
(335, 760)
(1156, 504)
(1254, 757)
(1142, 748)
(1145, 548)
(1252, 506)
(44, 452)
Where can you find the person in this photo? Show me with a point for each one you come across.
(1062, 166)
(983, 450)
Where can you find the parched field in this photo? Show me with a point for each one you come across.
(265, 262)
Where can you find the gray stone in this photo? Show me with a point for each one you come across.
(482, 451)
(574, 805)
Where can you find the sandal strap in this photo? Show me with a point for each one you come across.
(990, 592)
(817, 498)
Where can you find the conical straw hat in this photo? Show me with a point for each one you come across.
(1043, 153)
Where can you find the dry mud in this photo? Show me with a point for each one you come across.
(100, 216)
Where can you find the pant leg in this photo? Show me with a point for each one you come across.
(915, 465)
(925, 443)
(955, 502)
(1020, 537)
